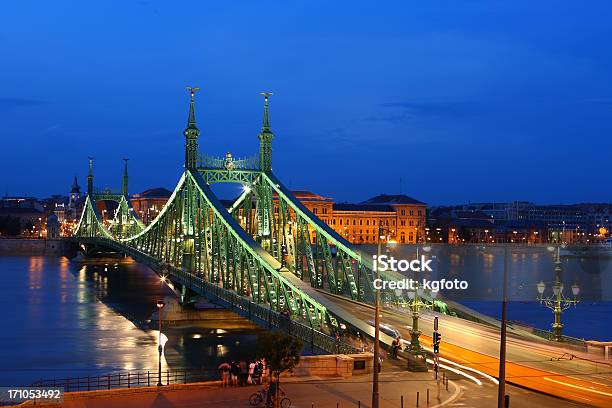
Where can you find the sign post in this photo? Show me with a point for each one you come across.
(437, 338)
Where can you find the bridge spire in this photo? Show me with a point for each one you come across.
(124, 190)
(265, 138)
(90, 178)
(191, 133)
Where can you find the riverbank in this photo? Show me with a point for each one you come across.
(26, 246)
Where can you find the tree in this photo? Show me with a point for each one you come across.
(282, 353)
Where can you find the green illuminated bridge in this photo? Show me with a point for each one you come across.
(256, 256)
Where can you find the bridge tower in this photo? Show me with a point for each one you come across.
(191, 134)
(90, 178)
(263, 192)
(124, 189)
(189, 208)
(265, 138)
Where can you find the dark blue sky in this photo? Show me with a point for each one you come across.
(462, 100)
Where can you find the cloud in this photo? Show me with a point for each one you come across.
(7, 104)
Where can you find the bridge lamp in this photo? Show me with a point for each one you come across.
(161, 342)
(575, 290)
(541, 287)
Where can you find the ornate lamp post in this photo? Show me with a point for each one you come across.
(557, 302)
(416, 303)
(160, 347)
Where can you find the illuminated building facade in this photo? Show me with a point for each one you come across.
(358, 223)
(149, 203)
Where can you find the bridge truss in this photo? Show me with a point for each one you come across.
(245, 250)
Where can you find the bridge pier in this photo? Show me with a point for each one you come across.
(188, 296)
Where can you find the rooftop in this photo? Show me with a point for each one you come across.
(392, 199)
(157, 192)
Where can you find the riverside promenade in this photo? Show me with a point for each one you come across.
(317, 392)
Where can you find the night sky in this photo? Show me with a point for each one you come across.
(447, 101)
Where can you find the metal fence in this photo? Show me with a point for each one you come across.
(128, 379)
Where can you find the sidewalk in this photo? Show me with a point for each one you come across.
(304, 392)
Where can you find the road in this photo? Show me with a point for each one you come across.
(475, 347)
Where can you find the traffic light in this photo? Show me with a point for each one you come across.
(437, 338)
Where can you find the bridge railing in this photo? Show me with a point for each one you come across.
(258, 313)
(265, 316)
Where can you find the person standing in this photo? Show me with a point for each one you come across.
(251, 372)
(224, 369)
(244, 373)
(235, 371)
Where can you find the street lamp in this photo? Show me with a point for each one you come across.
(375, 392)
(160, 346)
(557, 302)
(416, 303)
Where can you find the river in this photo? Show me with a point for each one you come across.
(67, 319)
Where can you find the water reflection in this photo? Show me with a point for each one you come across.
(482, 267)
(69, 319)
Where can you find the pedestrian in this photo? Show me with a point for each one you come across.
(234, 372)
(251, 372)
(396, 345)
(258, 372)
(244, 373)
(224, 369)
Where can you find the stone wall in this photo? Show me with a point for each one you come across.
(14, 246)
(334, 365)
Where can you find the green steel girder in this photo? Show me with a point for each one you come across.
(213, 176)
(196, 233)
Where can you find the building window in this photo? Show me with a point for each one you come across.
(340, 221)
(420, 213)
(411, 223)
(314, 210)
(411, 212)
(360, 222)
(402, 223)
(367, 222)
(403, 212)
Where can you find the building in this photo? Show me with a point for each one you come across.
(53, 230)
(525, 222)
(75, 194)
(402, 216)
(22, 216)
(149, 203)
